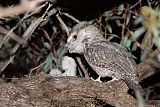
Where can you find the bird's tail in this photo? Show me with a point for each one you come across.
(135, 87)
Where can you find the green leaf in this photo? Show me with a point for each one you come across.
(117, 105)
(109, 28)
(155, 31)
(127, 42)
(140, 99)
(40, 55)
(47, 45)
(138, 33)
(128, 18)
(120, 9)
(118, 23)
(111, 36)
(61, 51)
(134, 48)
(49, 65)
(138, 20)
(144, 54)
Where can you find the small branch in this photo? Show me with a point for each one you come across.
(70, 16)
(13, 36)
(63, 25)
(122, 33)
(135, 4)
(82, 67)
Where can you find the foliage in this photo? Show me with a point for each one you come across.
(139, 29)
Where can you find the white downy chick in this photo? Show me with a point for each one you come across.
(55, 72)
(69, 66)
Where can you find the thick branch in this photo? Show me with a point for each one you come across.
(46, 91)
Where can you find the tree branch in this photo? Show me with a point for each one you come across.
(45, 91)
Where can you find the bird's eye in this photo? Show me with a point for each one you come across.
(74, 37)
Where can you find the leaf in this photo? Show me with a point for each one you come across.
(157, 42)
(47, 45)
(118, 23)
(117, 105)
(61, 51)
(128, 18)
(120, 9)
(109, 28)
(138, 20)
(134, 48)
(138, 33)
(49, 65)
(127, 42)
(141, 102)
(156, 38)
(144, 54)
(40, 55)
(111, 36)
(147, 40)
(155, 31)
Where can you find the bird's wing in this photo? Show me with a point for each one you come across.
(103, 56)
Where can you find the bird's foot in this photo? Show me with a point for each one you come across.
(98, 79)
(114, 79)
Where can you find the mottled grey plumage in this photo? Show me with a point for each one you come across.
(105, 58)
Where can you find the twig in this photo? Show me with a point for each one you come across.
(30, 73)
(13, 36)
(70, 16)
(82, 67)
(47, 36)
(63, 25)
(135, 4)
(122, 33)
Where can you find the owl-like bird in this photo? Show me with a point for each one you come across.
(105, 58)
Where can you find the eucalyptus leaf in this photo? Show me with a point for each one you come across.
(157, 42)
(155, 31)
(138, 33)
(117, 105)
(62, 52)
(140, 99)
(47, 45)
(40, 55)
(49, 65)
(134, 48)
(128, 18)
(147, 40)
(109, 28)
(127, 42)
(111, 36)
(138, 20)
(24, 26)
(144, 54)
(115, 18)
(120, 9)
(118, 23)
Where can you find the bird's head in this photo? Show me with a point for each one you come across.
(81, 34)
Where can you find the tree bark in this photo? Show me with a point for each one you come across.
(46, 91)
